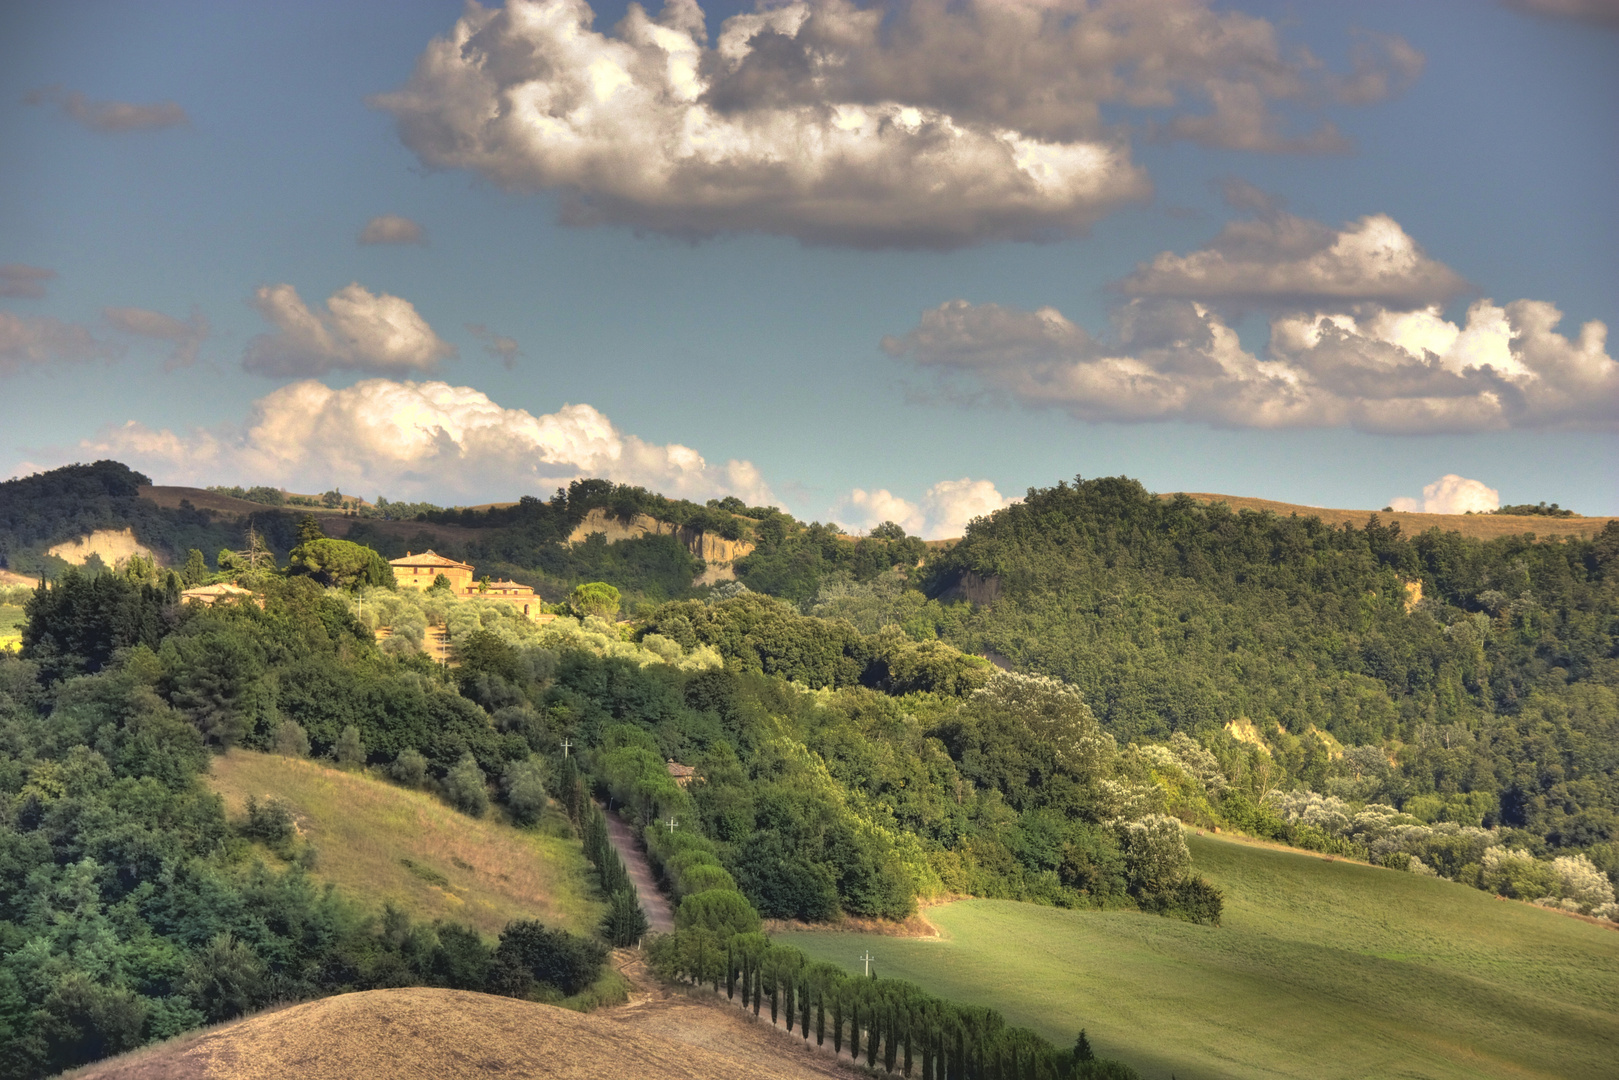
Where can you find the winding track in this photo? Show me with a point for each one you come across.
(658, 915)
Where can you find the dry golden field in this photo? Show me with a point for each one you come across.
(1481, 526)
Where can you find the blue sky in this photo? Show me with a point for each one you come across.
(1470, 156)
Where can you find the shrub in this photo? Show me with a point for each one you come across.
(466, 786)
(349, 751)
(291, 740)
(523, 786)
(225, 977)
(409, 768)
(723, 911)
(1155, 853)
(270, 821)
(461, 960)
(530, 952)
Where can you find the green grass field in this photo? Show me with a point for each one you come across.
(379, 843)
(1322, 970)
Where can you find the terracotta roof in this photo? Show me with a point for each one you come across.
(678, 770)
(221, 589)
(428, 558)
(508, 587)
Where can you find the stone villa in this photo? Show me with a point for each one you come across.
(420, 571)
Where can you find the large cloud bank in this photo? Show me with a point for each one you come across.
(1395, 372)
(1358, 339)
(944, 510)
(928, 123)
(421, 440)
(359, 330)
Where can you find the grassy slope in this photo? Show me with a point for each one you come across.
(362, 828)
(1322, 969)
(11, 623)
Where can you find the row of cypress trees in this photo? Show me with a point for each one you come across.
(625, 923)
(893, 1024)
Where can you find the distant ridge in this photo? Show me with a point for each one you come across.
(1479, 526)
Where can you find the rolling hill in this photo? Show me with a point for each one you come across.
(1323, 969)
(423, 1034)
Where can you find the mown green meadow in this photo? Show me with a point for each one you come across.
(1322, 969)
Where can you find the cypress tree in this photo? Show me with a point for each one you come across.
(804, 991)
(890, 1030)
(837, 1021)
(820, 1014)
(789, 990)
(756, 987)
(775, 992)
(854, 1028)
(730, 973)
(874, 1032)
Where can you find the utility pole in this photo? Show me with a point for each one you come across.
(867, 960)
(565, 745)
(672, 823)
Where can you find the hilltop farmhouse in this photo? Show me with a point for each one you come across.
(421, 571)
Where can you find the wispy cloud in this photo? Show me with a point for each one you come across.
(392, 229)
(42, 342)
(1599, 12)
(186, 337)
(20, 280)
(502, 348)
(110, 116)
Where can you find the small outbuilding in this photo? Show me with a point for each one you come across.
(682, 774)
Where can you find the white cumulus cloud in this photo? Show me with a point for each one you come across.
(360, 330)
(392, 229)
(1380, 370)
(1285, 261)
(422, 440)
(943, 512)
(1451, 494)
(930, 124)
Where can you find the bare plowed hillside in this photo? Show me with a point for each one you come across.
(1482, 526)
(422, 1034)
